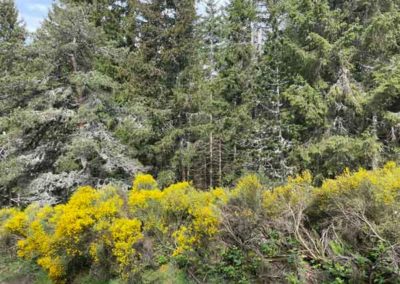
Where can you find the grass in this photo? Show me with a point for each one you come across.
(17, 271)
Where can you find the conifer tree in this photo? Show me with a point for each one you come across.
(234, 66)
(11, 29)
(59, 136)
(12, 52)
(329, 54)
(269, 143)
(166, 47)
(115, 17)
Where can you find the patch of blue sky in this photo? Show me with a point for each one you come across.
(32, 12)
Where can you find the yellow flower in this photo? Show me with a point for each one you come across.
(184, 240)
(125, 233)
(17, 223)
(144, 182)
(295, 193)
(54, 268)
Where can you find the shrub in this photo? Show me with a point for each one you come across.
(346, 230)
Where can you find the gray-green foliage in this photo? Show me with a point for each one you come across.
(272, 87)
(57, 131)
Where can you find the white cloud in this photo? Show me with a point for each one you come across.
(32, 12)
(40, 8)
(32, 22)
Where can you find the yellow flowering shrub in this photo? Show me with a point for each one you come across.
(201, 212)
(220, 195)
(142, 199)
(124, 233)
(176, 197)
(206, 220)
(39, 240)
(248, 193)
(247, 185)
(55, 236)
(179, 214)
(384, 184)
(13, 221)
(146, 205)
(144, 181)
(184, 239)
(54, 267)
(295, 192)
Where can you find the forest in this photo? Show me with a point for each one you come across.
(183, 141)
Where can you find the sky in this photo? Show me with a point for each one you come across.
(32, 12)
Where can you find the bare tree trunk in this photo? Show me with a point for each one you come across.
(375, 158)
(211, 170)
(188, 166)
(182, 168)
(205, 181)
(220, 163)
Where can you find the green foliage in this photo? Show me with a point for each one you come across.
(17, 270)
(270, 88)
(74, 50)
(165, 274)
(307, 111)
(338, 232)
(332, 156)
(202, 97)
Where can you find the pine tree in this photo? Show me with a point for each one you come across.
(60, 135)
(235, 63)
(159, 80)
(117, 18)
(269, 143)
(330, 49)
(12, 39)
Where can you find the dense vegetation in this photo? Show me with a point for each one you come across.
(203, 92)
(345, 231)
(202, 96)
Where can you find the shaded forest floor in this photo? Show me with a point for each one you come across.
(16, 271)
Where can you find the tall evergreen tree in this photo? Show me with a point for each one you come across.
(60, 136)
(320, 49)
(269, 143)
(115, 17)
(12, 85)
(234, 66)
(12, 52)
(160, 80)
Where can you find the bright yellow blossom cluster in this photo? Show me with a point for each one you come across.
(384, 185)
(295, 192)
(16, 221)
(144, 181)
(107, 226)
(57, 236)
(124, 234)
(180, 214)
(94, 223)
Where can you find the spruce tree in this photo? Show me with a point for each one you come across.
(11, 29)
(234, 66)
(61, 136)
(115, 17)
(269, 143)
(166, 46)
(12, 52)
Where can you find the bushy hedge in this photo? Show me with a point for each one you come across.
(347, 230)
